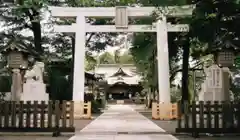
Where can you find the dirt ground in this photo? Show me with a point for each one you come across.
(169, 127)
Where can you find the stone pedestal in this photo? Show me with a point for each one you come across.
(216, 85)
(16, 85)
(34, 91)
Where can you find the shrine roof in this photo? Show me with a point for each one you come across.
(123, 84)
(120, 72)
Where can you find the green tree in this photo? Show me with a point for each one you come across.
(213, 28)
(126, 58)
(90, 62)
(144, 49)
(106, 58)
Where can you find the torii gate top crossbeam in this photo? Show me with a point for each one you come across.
(101, 12)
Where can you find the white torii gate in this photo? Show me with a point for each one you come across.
(121, 14)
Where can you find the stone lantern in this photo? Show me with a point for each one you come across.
(225, 54)
(102, 86)
(17, 57)
(17, 61)
(225, 58)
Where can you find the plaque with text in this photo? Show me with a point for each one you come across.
(15, 59)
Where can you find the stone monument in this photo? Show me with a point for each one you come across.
(34, 89)
(216, 85)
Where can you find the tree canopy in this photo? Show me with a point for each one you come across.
(213, 27)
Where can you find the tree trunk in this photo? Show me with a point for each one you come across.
(36, 28)
(185, 94)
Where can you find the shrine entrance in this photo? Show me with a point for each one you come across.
(121, 15)
(122, 91)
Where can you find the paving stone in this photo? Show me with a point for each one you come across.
(121, 122)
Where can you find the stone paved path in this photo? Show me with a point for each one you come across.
(121, 122)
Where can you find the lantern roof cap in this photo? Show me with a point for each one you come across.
(214, 66)
(17, 46)
(225, 45)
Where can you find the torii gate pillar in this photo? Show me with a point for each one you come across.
(79, 57)
(163, 61)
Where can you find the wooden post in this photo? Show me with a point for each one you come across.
(186, 113)
(174, 111)
(64, 114)
(13, 114)
(89, 113)
(71, 116)
(208, 112)
(201, 114)
(194, 121)
(6, 114)
(50, 113)
(154, 110)
(216, 114)
(179, 118)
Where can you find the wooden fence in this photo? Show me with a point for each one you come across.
(36, 116)
(161, 111)
(209, 117)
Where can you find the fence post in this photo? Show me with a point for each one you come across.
(6, 114)
(194, 121)
(186, 113)
(50, 113)
(13, 114)
(64, 113)
(216, 114)
(154, 110)
(174, 111)
(179, 114)
(1, 112)
(89, 110)
(71, 116)
(57, 113)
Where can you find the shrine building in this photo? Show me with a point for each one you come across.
(123, 80)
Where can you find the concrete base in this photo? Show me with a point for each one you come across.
(34, 91)
(78, 110)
